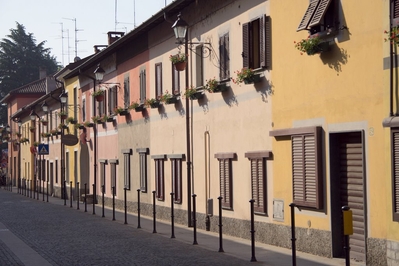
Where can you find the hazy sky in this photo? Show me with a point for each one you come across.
(45, 19)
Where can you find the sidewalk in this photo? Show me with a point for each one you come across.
(232, 246)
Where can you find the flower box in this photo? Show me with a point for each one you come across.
(99, 98)
(197, 95)
(321, 47)
(221, 87)
(155, 104)
(140, 108)
(124, 112)
(172, 100)
(255, 78)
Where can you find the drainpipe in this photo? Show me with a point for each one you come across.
(391, 64)
(207, 177)
(188, 142)
(63, 196)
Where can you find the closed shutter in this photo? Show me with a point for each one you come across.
(307, 189)
(225, 182)
(126, 92)
(319, 12)
(227, 56)
(159, 179)
(258, 184)
(158, 81)
(113, 177)
(245, 45)
(175, 80)
(262, 42)
(395, 165)
(176, 177)
(267, 60)
(110, 101)
(395, 13)
(143, 172)
(308, 15)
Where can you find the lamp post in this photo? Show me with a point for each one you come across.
(180, 28)
(33, 117)
(63, 100)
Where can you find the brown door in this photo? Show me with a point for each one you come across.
(348, 181)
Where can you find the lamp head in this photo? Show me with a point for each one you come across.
(99, 73)
(180, 28)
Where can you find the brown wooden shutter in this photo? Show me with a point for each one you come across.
(225, 182)
(308, 15)
(319, 12)
(307, 178)
(395, 13)
(110, 101)
(258, 184)
(395, 170)
(227, 56)
(266, 61)
(222, 58)
(158, 80)
(262, 41)
(245, 45)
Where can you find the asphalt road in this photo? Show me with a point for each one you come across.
(40, 232)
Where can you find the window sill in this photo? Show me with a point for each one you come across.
(325, 35)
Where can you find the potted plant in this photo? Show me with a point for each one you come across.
(44, 122)
(312, 45)
(23, 140)
(32, 128)
(168, 98)
(121, 111)
(71, 120)
(212, 85)
(79, 125)
(106, 118)
(63, 114)
(36, 143)
(62, 126)
(98, 95)
(153, 103)
(193, 93)
(88, 124)
(246, 75)
(54, 132)
(96, 119)
(18, 135)
(179, 61)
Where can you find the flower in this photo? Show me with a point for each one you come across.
(95, 118)
(166, 97)
(244, 73)
(392, 36)
(150, 102)
(190, 91)
(97, 92)
(309, 45)
(119, 110)
(178, 58)
(134, 105)
(211, 85)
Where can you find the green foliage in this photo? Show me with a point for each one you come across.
(20, 61)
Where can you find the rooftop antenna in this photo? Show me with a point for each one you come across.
(134, 13)
(76, 36)
(62, 42)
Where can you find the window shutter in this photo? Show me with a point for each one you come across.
(308, 15)
(143, 172)
(222, 57)
(319, 12)
(245, 45)
(258, 184)
(225, 182)
(395, 13)
(395, 164)
(158, 81)
(110, 101)
(226, 56)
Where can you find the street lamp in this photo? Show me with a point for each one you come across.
(45, 107)
(63, 100)
(99, 73)
(180, 28)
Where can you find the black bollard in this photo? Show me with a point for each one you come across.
(43, 190)
(220, 225)
(348, 230)
(47, 191)
(102, 190)
(252, 230)
(125, 196)
(172, 216)
(138, 208)
(77, 196)
(293, 239)
(31, 188)
(94, 201)
(113, 203)
(154, 230)
(195, 221)
(70, 193)
(85, 197)
(64, 193)
(37, 189)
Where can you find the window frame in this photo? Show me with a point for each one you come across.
(112, 99)
(259, 181)
(176, 163)
(226, 179)
(159, 171)
(158, 80)
(316, 132)
(143, 168)
(175, 80)
(126, 168)
(103, 178)
(143, 86)
(224, 56)
(126, 91)
(113, 165)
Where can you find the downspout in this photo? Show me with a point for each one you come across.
(391, 63)
(207, 179)
(63, 196)
(188, 142)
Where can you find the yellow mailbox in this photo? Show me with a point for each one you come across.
(348, 221)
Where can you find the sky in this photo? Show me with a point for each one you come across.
(54, 21)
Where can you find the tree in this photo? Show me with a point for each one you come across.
(20, 61)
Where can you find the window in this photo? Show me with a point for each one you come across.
(101, 105)
(159, 176)
(102, 174)
(67, 167)
(126, 167)
(126, 91)
(175, 80)
(256, 43)
(56, 171)
(226, 178)
(143, 94)
(158, 80)
(143, 169)
(395, 173)
(320, 16)
(224, 54)
(199, 65)
(176, 175)
(112, 99)
(258, 179)
(113, 164)
(307, 174)
(83, 110)
(395, 13)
